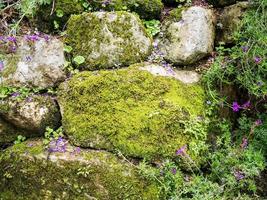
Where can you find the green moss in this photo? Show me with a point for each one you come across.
(176, 14)
(146, 9)
(11, 65)
(26, 172)
(107, 43)
(129, 110)
(45, 21)
(8, 133)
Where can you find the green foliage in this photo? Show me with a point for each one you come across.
(244, 64)
(51, 135)
(79, 60)
(19, 139)
(152, 27)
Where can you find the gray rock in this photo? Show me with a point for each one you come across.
(229, 21)
(34, 64)
(185, 76)
(108, 39)
(190, 37)
(33, 114)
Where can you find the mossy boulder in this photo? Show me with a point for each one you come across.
(8, 133)
(50, 17)
(229, 21)
(28, 172)
(131, 110)
(34, 113)
(108, 39)
(37, 61)
(146, 9)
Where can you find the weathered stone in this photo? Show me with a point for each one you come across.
(108, 39)
(185, 76)
(229, 21)
(188, 35)
(36, 63)
(131, 110)
(33, 113)
(28, 172)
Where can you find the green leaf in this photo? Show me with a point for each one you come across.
(67, 48)
(59, 13)
(79, 60)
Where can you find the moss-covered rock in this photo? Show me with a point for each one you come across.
(49, 16)
(8, 133)
(108, 39)
(28, 172)
(34, 113)
(229, 21)
(146, 9)
(130, 110)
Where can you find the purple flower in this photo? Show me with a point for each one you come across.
(259, 83)
(28, 58)
(257, 60)
(246, 105)
(15, 94)
(32, 38)
(258, 122)
(239, 175)
(244, 143)
(30, 145)
(235, 106)
(1, 65)
(245, 48)
(182, 151)
(174, 171)
(58, 145)
(11, 39)
(12, 48)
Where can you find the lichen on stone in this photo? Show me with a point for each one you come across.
(129, 110)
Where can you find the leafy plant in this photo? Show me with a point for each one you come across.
(19, 139)
(152, 27)
(51, 135)
(79, 60)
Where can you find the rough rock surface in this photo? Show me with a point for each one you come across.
(27, 172)
(130, 110)
(185, 76)
(108, 39)
(229, 20)
(189, 36)
(33, 113)
(36, 63)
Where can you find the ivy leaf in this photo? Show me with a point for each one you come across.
(79, 60)
(67, 48)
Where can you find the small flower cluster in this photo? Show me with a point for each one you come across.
(239, 175)
(236, 107)
(257, 59)
(58, 145)
(9, 43)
